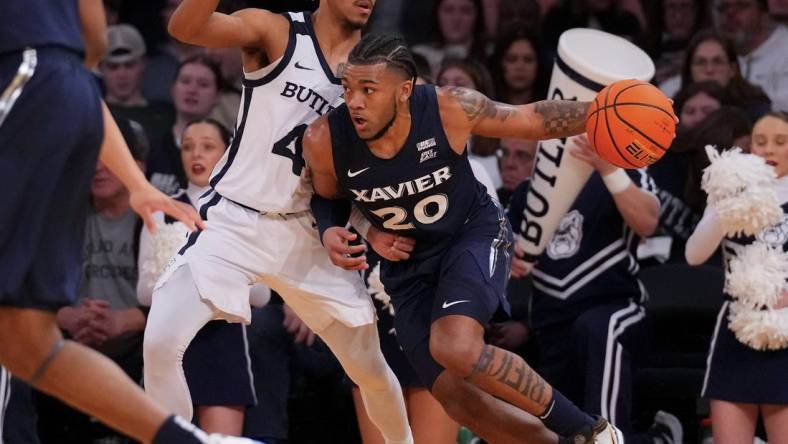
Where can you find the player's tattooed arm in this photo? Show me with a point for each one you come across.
(471, 110)
(562, 118)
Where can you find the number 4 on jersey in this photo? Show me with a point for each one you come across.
(291, 146)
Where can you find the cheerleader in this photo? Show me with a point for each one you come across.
(216, 363)
(747, 367)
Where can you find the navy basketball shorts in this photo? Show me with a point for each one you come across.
(51, 130)
(217, 366)
(468, 279)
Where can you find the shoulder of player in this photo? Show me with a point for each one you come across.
(456, 101)
(317, 140)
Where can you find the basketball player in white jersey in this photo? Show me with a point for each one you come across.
(261, 229)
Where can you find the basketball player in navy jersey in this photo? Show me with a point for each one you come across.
(51, 134)
(398, 152)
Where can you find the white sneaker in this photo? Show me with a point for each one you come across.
(667, 429)
(223, 439)
(606, 433)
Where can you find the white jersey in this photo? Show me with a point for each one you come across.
(263, 169)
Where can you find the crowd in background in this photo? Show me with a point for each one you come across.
(724, 62)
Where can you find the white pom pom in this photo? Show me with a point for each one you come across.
(757, 275)
(377, 291)
(166, 242)
(740, 188)
(759, 329)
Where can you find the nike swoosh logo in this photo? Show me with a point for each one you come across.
(356, 173)
(449, 304)
(299, 66)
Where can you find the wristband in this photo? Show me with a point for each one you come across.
(617, 181)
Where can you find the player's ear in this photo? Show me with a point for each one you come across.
(405, 90)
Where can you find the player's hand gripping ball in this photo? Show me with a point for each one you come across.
(631, 124)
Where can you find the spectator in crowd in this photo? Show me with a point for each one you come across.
(520, 70)
(111, 11)
(696, 101)
(762, 45)
(459, 25)
(121, 70)
(216, 363)
(107, 316)
(516, 160)
(680, 20)
(586, 309)
(469, 73)
(194, 93)
(678, 175)
(163, 63)
(229, 101)
(743, 382)
(620, 17)
(711, 57)
(778, 10)
(514, 14)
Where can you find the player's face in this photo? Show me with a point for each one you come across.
(456, 19)
(519, 65)
(122, 80)
(201, 149)
(194, 91)
(455, 76)
(355, 13)
(516, 157)
(770, 141)
(373, 94)
(696, 108)
(710, 62)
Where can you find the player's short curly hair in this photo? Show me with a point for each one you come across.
(379, 48)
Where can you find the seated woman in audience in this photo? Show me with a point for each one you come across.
(216, 363)
(679, 172)
(459, 27)
(696, 101)
(745, 380)
(710, 56)
(519, 68)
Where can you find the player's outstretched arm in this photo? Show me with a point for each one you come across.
(94, 30)
(472, 112)
(145, 199)
(197, 22)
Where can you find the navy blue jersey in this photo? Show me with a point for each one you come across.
(427, 191)
(36, 23)
(591, 258)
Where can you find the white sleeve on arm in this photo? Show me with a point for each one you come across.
(706, 238)
(359, 222)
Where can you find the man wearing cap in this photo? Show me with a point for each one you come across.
(122, 69)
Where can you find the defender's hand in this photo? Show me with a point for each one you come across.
(583, 150)
(390, 246)
(337, 240)
(147, 200)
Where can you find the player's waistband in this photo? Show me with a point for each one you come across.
(282, 215)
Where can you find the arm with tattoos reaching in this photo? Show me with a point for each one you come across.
(466, 112)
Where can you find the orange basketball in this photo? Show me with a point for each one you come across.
(630, 124)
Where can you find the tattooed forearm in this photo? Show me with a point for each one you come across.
(562, 118)
(504, 367)
(475, 104)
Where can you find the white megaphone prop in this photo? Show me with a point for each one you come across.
(587, 61)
